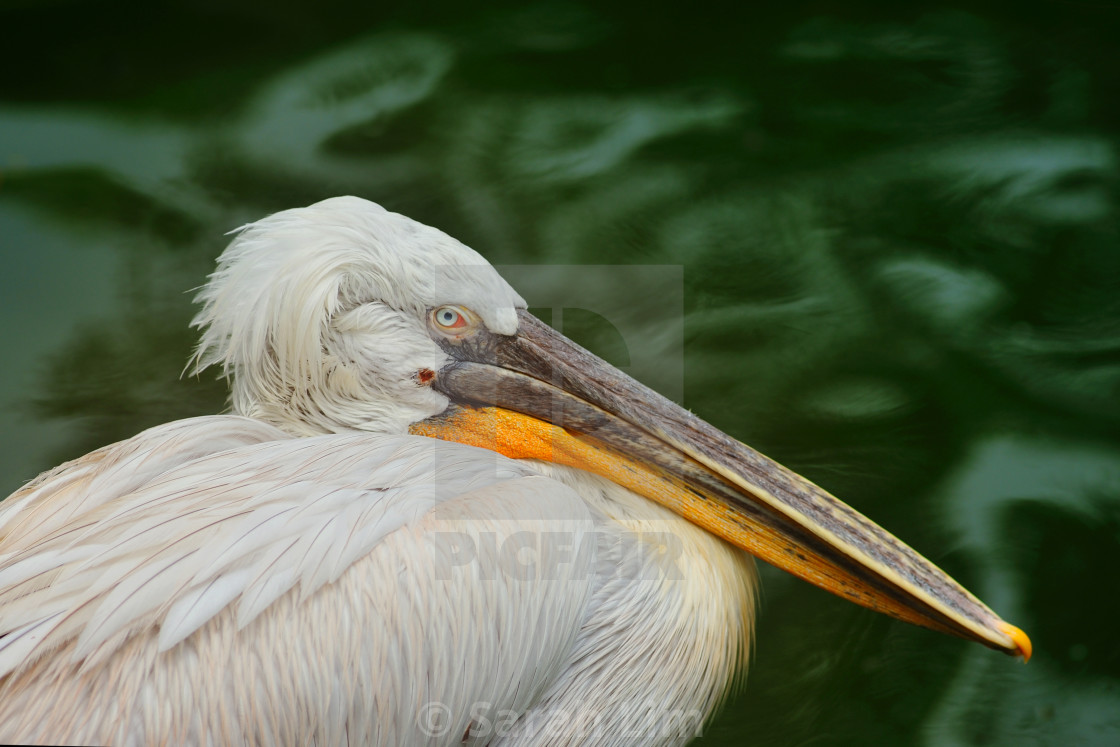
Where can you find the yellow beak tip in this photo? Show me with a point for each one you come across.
(1020, 639)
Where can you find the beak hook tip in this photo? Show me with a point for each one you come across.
(1020, 639)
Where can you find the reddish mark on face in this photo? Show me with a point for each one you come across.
(425, 375)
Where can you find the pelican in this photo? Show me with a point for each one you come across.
(429, 519)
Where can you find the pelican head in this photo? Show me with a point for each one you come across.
(345, 316)
(320, 316)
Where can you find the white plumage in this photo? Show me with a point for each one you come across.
(306, 572)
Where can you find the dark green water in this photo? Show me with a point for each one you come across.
(894, 230)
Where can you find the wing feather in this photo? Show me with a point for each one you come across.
(260, 514)
(198, 605)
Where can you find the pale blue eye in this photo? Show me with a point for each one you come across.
(447, 317)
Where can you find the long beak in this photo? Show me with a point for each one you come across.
(539, 395)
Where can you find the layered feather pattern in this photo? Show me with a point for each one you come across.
(238, 526)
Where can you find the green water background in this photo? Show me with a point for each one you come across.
(896, 227)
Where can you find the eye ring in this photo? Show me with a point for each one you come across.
(450, 318)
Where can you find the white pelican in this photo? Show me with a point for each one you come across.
(324, 566)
